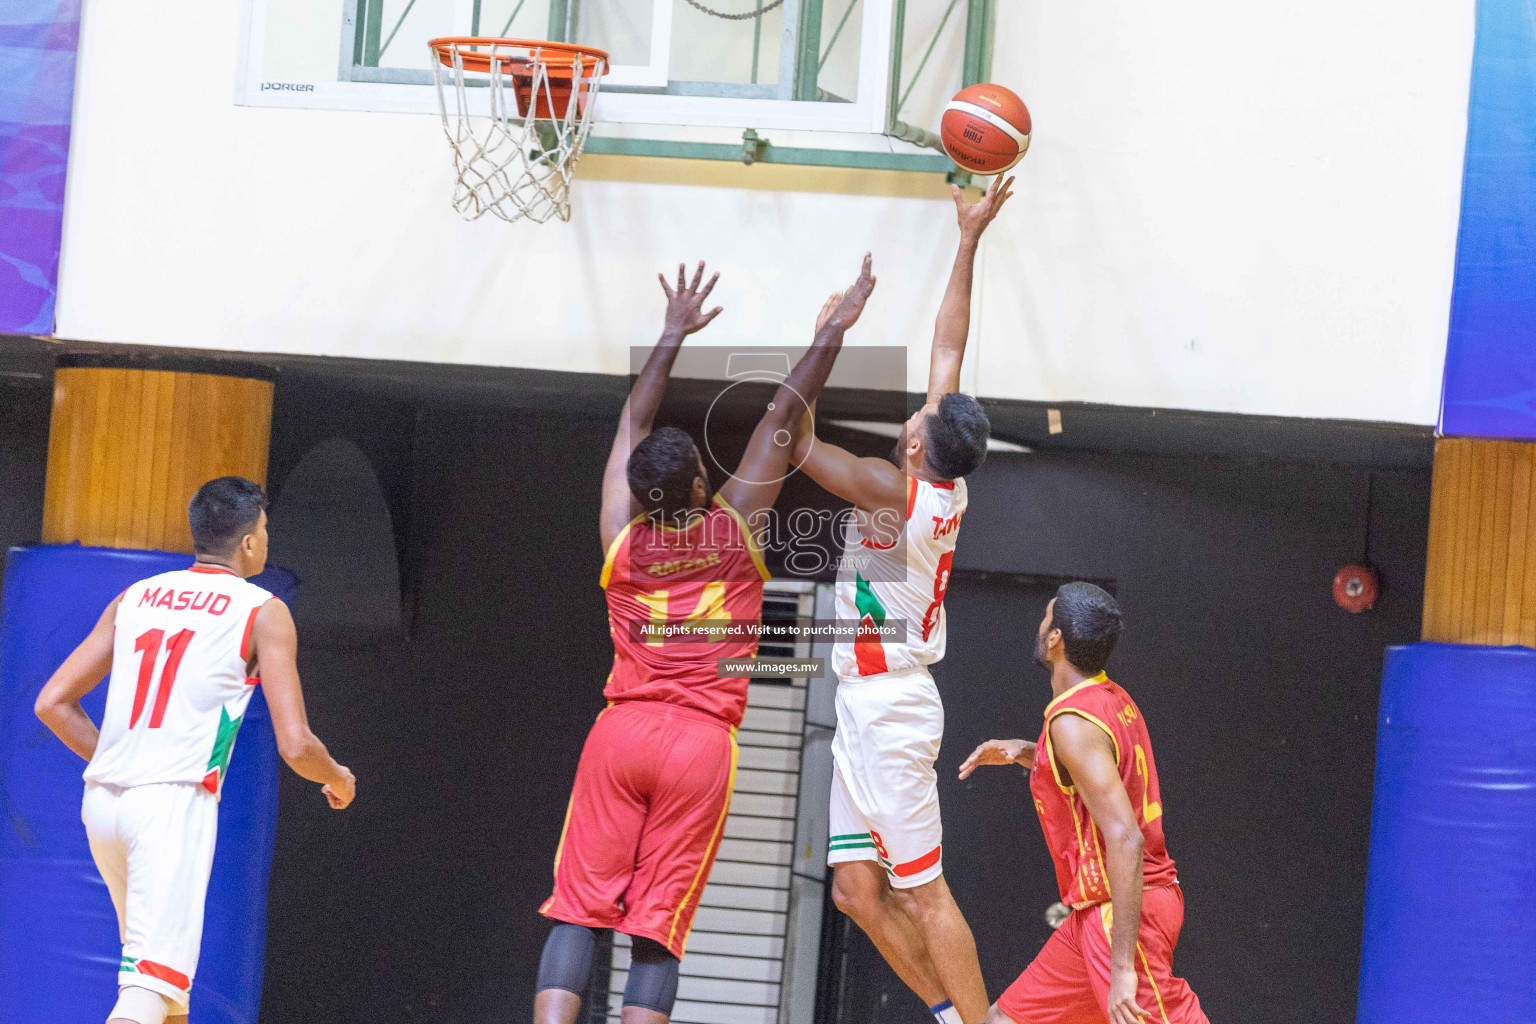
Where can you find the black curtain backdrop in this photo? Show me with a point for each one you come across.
(25, 406)
(1260, 694)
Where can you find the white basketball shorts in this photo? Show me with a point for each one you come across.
(885, 792)
(154, 848)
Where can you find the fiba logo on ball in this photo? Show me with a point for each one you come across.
(986, 129)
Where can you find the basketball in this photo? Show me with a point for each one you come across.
(985, 129)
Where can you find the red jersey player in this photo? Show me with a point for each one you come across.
(1095, 787)
(654, 783)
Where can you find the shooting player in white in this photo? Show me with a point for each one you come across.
(886, 847)
(185, 650)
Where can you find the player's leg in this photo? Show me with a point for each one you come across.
(565, 973)
(1165, 998)
(98, 812)
(888, 766)
(109, 849)
(141, 1006)
(1055, 987)
(594, 863)
(860, 890)
(950, 944)
(170, 831)
(651, 989)
(683, 828)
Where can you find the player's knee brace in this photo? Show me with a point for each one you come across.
(140, 1005)
(652, 981)
(567, 959)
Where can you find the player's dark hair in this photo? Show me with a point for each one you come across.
(956, 435)
(661, 471)
(222, 512)
(1089, 620)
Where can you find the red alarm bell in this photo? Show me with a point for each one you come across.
(1356, 588)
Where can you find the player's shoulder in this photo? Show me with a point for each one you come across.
(1098, 697)
(1118, 694)
(1117, 708)
(946, 492)
(258, 593)
(737, 532)
(739, 543)
(1097, 704)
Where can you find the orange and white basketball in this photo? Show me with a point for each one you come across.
(986, 129)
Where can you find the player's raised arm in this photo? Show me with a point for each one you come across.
(58, 705)
(1087, 753)
(872, 484)
(684, 316)
(756, 484)
(277, 647)
(954, 322)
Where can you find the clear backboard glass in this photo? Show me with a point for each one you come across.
(681, 70)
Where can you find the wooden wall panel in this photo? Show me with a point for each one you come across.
(1480, 580)
(129, 448)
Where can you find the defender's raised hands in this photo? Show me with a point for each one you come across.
(685, 302)
(843, 310)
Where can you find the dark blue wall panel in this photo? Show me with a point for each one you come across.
(1449, 930)
(58, 932)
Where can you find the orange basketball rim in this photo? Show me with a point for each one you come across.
(514, 157)
(568, 67)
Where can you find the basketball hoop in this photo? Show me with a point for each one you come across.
(515, 159)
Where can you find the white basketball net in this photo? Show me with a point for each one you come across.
(508, 164)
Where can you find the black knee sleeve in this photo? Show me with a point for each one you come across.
(652, 981)
(567, 959)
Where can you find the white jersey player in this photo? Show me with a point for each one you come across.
(886, 847)
(185, 650)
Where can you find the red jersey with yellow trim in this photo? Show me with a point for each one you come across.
(706, 580)
(1077, 845)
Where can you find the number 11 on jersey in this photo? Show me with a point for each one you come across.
(148, 647)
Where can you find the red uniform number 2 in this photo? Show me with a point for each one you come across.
(148, 647)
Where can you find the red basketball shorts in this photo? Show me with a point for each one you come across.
(645, 820)
(1068, 983)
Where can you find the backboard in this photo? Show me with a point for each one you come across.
(789, 81)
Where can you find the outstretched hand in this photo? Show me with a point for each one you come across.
(686, 302)
(996, 752)
(843, 309)
(974, 217)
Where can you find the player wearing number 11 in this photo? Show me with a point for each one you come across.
(185, 650)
